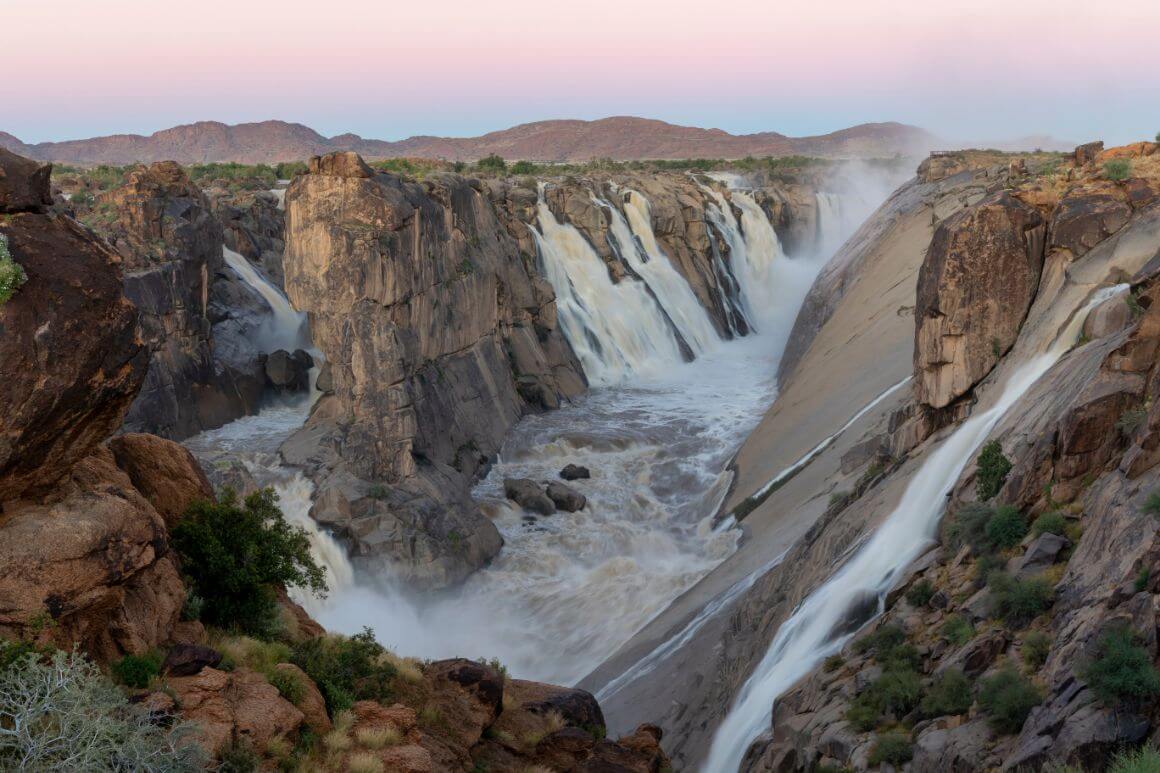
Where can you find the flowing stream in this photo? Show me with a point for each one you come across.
(814, 631)
(284, 328)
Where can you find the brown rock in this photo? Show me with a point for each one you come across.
(565, 497)
(312, 704)
(1111, 316)
(1088, 152)
(526, 493)
(189, 660)
(343, 164)
(70, 358)
(240, 705)
(975, 286)
(1087, 216)
(470, 697)
(164, 472)
(24, 183)
(92, 560)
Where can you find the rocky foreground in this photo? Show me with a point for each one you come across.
(87, 559)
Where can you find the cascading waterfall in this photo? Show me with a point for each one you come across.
(284, 329)
(637, 246)
(813, 631)
(616, 329)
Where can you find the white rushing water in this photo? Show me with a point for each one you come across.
(616, 329)
(637, 246)
(284, 329)
(811, 634)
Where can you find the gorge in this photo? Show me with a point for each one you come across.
(700, 448)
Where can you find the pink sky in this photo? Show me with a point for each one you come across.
(979, 70)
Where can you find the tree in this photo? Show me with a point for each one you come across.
(993, 467)
(235, 556)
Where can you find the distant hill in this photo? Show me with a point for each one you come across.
(621, 138)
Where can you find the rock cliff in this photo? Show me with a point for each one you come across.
(439, 335)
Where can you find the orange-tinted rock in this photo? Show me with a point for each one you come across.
(1088, 152)
(89, 565)
(1133, 150)
(311, 704)
(344, 164)
(240, 705)
(974, 289)
(469, 694)
(1087, 216)
(163, 471)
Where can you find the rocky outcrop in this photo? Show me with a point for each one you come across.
(439, 337)
(163, 227)
(974, 289)
(84, 555)
(23, 183)
(253, 224)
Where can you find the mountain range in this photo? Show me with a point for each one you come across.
(620, 138)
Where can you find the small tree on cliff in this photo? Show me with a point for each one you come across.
(993, 467)
(11, 274)
(236, 555)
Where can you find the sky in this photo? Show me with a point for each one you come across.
(386, 69)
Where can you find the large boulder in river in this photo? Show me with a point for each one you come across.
(565, 497)
(975, 286)
(528, 494)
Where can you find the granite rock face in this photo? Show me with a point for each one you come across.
(163, 227)
(437, 329)
(974, 289)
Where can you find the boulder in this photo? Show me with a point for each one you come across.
(342, 164)
(977, 655)
(189, 660)
(975, 286)
(577, 707)
(527, 494)
(236, 706)
(566, 498)
(70, 358)
(287, 372)
(1040, 554)
(92, 558)
(469, 696)
(1087, 216)
(1111, 316)
(575, 472)
(164, 472)
(961, 749)
(1088, 152)
(24, 183)
(311, 704)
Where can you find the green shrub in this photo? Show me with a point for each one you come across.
(833, 663)
(949, 693)
(523, 167)
(492, 163)
(1118, 169)
(863, 713)
(235, 556)
(1144, 760)
(1008, 698)
(289, 685)
(1035, 649)
(58, 712)
(1130, 420)
(288, 169)
(968, 526)
(1050, 523)
(1006, 528)
(1017, 601)
(992, 469)
(897, 691)
(880, 642)
(137, 670)
(920, 593)
(1122, 670)
(11, 273)
(893, 748)
(347, 669)
(1141, 581)
(192, 607)
(958, 630)
(1152, 504)
(13, 652)
(238, 757)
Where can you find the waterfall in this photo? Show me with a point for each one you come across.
(616, 329)
(637, 245)
(284, 329)
(833, 223)
(812, 632)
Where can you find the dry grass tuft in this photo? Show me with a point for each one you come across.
(378, 737)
